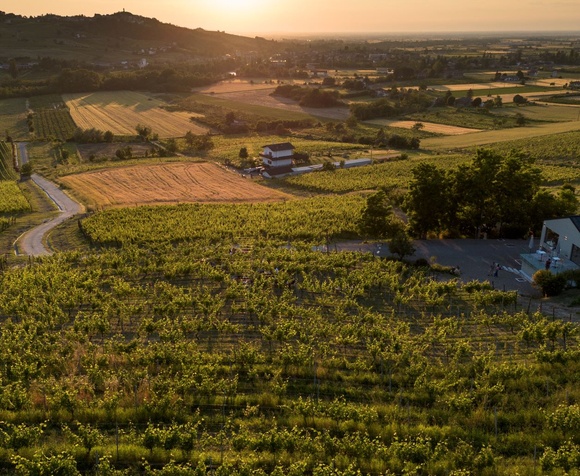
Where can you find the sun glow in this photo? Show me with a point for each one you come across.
(231, 6)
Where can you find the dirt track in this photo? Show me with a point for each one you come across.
(31, 243)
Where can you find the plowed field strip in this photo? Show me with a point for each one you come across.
(167, 183)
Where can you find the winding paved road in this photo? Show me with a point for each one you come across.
(31, 242)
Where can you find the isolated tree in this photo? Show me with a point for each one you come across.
(401, 244)
(418, 126)
(108, 136)
(519, 99)
(498, 101)
(243, 153)
(26, 170)
(190, 138)
(143, 131)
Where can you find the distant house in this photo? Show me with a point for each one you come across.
(278, 156)
(574, 84)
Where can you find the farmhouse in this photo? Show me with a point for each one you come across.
(277, 157)
(574, 84)
(559, 242)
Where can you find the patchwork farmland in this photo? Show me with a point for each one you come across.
(120, 111)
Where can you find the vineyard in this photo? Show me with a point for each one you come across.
(51, 119)
(395, 173)
(12, 201)
(50, 124)
(200, 357)
(312, 220)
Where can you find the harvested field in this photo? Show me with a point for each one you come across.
(427, 126)
(474, 86)
(121, 111)
(167, 183)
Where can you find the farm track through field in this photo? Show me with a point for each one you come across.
(31, 243)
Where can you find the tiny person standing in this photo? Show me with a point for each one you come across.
(548, 263)
(496, 272)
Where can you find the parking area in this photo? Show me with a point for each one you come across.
(473, 257)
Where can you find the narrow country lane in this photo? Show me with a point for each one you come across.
(31, 243)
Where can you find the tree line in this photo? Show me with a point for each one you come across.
(494, 194)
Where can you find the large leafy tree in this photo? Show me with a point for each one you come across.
(377, 219)
(517, 182)
(427, 203)
(491, 191)
(474, 192)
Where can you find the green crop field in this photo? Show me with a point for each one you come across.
(13, 118)
(489, 137)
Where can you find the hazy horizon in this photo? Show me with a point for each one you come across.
(300, 18)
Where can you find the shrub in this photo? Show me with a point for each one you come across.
(550, 284)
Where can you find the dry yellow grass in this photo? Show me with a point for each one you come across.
(474, 86)
(121, 111)
(427, 126)
(167, 183)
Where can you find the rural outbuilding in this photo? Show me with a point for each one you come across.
(278, 155)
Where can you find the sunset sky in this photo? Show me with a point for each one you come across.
(262, 17)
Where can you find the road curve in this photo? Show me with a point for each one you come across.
(31, 242)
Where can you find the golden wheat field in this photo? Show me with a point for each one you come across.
(427, 126)
(167, 183)
(121, 111)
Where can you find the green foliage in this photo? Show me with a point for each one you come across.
(309, 220)
(308, 97)
(550, 284)
(473, 198)
(143, 131)
(12, 200)
(54, 123)
(62, 464)
(401, 244)
(377, 218)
